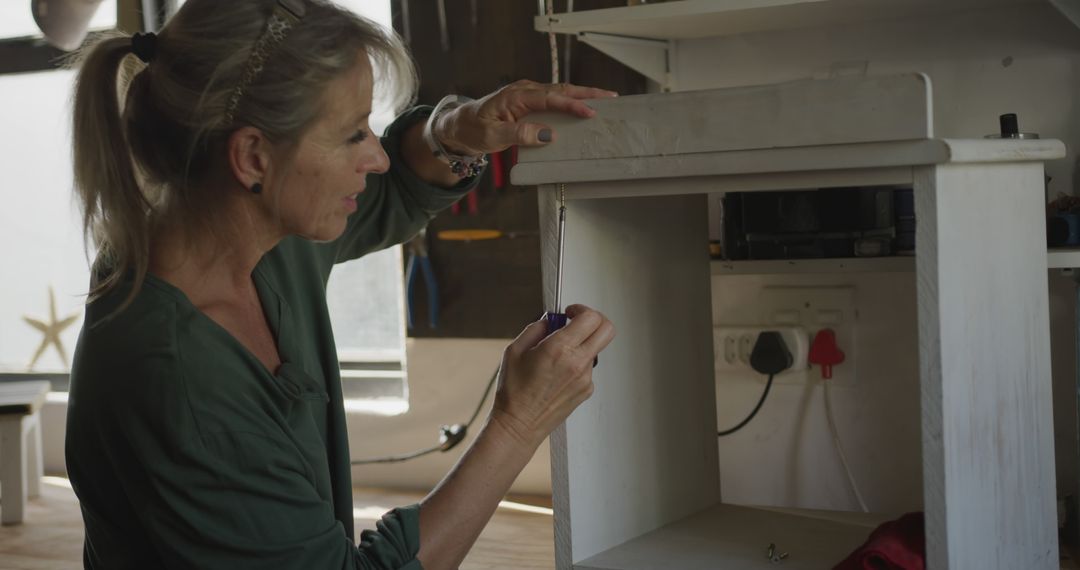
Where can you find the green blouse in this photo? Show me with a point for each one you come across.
(186, 452)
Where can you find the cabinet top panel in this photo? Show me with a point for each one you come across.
(838, 123)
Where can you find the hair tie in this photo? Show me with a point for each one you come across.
(144, 46)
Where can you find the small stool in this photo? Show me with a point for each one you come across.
(21, 463)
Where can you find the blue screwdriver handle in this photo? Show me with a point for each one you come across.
(556, 321)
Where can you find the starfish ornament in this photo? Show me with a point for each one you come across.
(51, 330)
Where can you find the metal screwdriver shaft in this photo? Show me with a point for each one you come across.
(562, 247)
(557, 319)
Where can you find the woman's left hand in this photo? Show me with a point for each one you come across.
(495, 122)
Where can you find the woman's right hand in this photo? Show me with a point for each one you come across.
(544, 378)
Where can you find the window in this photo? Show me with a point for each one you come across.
(367, 303)
(41, 243)
(40, 232)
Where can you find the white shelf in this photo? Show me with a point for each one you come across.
(729, 536)
(1056, 258)
(895, 264)
(689, 19)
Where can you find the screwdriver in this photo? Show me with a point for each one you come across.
(557, 319)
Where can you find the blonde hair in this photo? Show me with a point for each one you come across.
(148, 138)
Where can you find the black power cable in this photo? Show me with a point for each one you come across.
(449, 436)
(738, 427)
(770, 356)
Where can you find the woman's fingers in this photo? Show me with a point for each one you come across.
(599, 339)
(583, 323)
(581, 92)
(588, 332)
(529, 337)
(497, 121)
(535, 100)
(545, 377)
(525, 134)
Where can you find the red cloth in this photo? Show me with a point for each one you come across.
(895, 545)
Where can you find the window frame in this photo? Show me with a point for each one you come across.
(30, 54)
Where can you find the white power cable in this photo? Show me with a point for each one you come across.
(840, 448)
(566, 46)
(553, 44)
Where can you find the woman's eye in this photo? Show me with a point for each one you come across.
(358, 137)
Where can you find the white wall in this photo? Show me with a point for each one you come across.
(981, 65)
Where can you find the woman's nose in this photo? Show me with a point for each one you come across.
(375, 161)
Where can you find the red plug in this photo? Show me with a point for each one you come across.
(824, 351)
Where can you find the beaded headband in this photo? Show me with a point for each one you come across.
(287, 13)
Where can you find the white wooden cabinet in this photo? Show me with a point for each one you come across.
(635, 469)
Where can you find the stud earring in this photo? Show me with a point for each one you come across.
(256, 188)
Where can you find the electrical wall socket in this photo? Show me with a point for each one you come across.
(732, 346)
(813, 309)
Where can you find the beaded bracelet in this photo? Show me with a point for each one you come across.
(463, 166)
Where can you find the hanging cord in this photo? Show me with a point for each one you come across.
(770, 356)
(449, 436)
(553, 44)
(840, 448)
(566, 46)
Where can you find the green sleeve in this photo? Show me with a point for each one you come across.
(396, 205)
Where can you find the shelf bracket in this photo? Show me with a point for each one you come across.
(651, 58)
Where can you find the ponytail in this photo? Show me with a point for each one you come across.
(116, 213)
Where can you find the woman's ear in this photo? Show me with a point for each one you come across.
(249, 156)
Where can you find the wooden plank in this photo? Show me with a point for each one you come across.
(842, 110)
(771, 162)
(729, 536)
(688, 19)
(813, 160)
(741, 183)
(22, 397)
(1003, 150)
(988, 456)
(642, 451)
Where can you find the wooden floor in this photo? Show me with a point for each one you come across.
(519, 536)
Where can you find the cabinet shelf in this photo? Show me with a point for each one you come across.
(729, 536)
(895, 264)
(645, 37)
(1056, 258)
(691, 19)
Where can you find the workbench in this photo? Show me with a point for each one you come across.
(635, 470)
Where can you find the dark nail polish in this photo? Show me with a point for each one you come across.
(545, 135)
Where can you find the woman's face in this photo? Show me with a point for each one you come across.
(333, 159)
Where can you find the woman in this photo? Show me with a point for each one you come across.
(205, 426)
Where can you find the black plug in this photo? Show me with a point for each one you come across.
(770, 355)
(450, 436)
